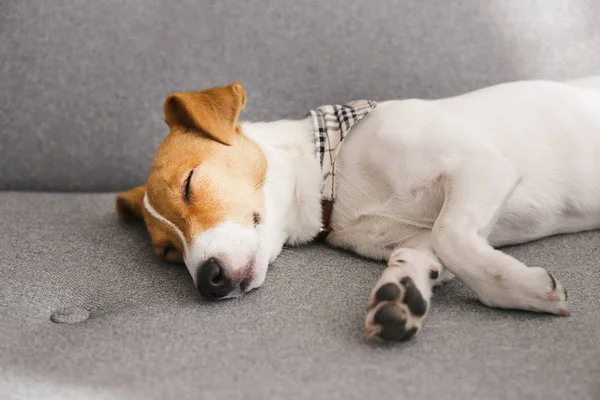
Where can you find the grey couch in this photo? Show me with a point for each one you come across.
(87, 312)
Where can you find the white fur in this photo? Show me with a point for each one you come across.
(451, 178)
(292, 203)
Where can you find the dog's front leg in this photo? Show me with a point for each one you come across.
(401, 298)
(475, 194)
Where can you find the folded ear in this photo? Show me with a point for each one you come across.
(129, 204)
(213, 111)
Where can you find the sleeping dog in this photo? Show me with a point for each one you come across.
(433, 187)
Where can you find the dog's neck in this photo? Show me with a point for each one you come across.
(293, 185)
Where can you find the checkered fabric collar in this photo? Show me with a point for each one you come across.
(331, 125)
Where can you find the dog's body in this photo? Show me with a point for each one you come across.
(429, 185)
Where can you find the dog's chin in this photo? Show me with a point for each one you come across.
(246, 286)
(243, 288)
(257, 279)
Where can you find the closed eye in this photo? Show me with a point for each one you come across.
(186, 191)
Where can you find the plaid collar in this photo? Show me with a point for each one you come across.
(331, 125)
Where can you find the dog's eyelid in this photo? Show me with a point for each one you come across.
(186, 190)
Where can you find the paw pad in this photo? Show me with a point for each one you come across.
(388, 292)
(434, 274)
(398, 309)
(413, 298)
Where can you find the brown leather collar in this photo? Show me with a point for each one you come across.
(327, 209)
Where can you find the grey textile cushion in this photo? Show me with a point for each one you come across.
(87, 312)
(150, 336)
(82, 82)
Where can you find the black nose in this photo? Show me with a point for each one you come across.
(212, 281)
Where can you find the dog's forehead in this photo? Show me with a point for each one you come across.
(180, 153)
(183, 148)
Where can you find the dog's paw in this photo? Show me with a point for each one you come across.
(396, 311)
(400, 300)
(532, 289)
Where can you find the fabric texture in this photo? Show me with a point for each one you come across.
(87, 311)
(331, 125)
(150, 335)
(82, 82)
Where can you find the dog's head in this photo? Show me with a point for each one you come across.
(203, 203)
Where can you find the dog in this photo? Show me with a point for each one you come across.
(433, 187)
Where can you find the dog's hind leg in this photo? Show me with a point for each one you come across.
(475, 193)
(401, 298)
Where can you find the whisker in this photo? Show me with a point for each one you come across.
(291, 251)
(285, 263)
(296, 254)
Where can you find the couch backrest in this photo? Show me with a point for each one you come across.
(82, 82)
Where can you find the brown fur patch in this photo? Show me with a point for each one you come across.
(213, 111)
(129, 204)
(228, 169)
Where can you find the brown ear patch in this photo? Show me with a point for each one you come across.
(129, 204)
(213, 112)
(238, 88)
